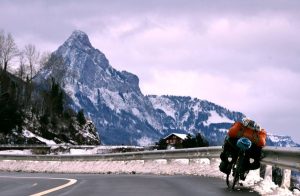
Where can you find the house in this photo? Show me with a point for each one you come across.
(175, 139)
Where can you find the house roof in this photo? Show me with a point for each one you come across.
(180, 135)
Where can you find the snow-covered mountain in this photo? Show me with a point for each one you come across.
(281, 140)
(187, 115)
(115, 103)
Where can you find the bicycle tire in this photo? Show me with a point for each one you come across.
(229, 177)
(228, 181)
(239, 164)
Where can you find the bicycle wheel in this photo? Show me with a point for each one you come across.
(235, 178)
(238, 170)
(230, 176)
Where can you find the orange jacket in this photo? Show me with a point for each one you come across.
(239, 130)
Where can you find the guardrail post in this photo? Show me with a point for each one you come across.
(193, 161)
(268, 173)
(214, 160)
(262, 170)
(286, 178)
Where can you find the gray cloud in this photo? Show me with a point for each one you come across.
(240, 54)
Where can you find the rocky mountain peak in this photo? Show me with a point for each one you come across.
(79, 39)
(81, 61)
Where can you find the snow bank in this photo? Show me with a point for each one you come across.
(18, 152)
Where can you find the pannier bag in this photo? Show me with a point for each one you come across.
(238, 130)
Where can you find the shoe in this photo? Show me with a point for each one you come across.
(243, 175)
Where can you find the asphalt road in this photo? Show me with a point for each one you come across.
(15, 184)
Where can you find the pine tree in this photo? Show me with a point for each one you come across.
(201, 141)
(192, 142)
(11, 115)
(80, 117)
(56, 99)
(162, 145)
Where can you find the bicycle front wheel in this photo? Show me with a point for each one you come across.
(230, 176)
(238, 171)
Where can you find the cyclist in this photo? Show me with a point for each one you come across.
(248, 129)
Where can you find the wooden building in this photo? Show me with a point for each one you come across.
(174, 139)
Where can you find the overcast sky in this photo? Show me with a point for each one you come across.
(243, 55)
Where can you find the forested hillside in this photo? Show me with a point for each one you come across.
(26, 108)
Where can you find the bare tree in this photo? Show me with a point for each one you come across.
(22, 69)
(32, 56)
(9, 50)
(1, 47)
(44, 59)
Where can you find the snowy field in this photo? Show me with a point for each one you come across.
(201, 167)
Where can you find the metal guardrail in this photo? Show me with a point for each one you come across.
(17, 147)
(13, 147)
(287, 158)
(191, 153)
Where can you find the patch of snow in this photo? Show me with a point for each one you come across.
(274, 138)
(16, 152)
(266, 186)
(136, 112)
(223, 130)
(163, 104)
(80, 151)
(70, 90)
(216, 118)
(153, 122)
(85, 130)
(113, 100)
(180, 135)
(46, 73)
(145, 141)
(108, 72)
(29, 134)
(185, 116)
(181, 161)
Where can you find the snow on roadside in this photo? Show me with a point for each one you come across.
(266, 186)
(16, 152)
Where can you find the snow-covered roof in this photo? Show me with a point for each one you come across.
(180, 135)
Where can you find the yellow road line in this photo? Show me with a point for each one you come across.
(71, 182)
